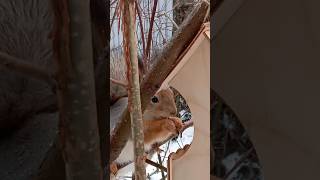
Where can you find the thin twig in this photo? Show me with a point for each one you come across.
(114, 1)
(141, 27)
(147, 52)
(160, 162)
(148, 161)
(173, 22)
(114, 14)
(121, 83)
(166, 151)
(178, 143)
(159, 29)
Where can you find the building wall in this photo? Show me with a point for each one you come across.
(266, 65)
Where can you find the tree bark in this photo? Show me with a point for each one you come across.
(130, 53)
(100, 40)
(76, 90)
(214, 6)
(163, 65)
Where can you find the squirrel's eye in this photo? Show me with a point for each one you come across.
(154, 99)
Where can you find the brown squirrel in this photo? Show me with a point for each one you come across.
(159, 118)
(160, 122)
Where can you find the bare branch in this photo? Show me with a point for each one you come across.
(147, 52)
(141, 28)
(115, 13)
(21, 66)
(159, 29)
(148, 161)
(160, 162)
(134, 101)
(119, 82)
(173, 22)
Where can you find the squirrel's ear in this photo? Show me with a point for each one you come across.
(165, 86)
(175, 92)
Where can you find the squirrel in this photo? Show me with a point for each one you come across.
(159, 117)
(159, 121)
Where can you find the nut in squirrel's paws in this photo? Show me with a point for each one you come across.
(113, 168)
(177, 123)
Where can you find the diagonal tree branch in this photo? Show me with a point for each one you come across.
(21, 66)
(163, 65)
(148, 161)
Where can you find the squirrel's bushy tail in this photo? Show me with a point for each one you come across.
(118, 71)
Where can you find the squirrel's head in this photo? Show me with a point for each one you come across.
(161, 105)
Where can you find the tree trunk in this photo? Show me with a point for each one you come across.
(215, 5)
(100, 40)
(76, 90)
(130, 53)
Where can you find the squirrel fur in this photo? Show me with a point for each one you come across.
(159, 121)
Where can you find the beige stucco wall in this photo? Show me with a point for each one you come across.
(267, 68)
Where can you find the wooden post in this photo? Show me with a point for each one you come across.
(79, 133)
(130, 52)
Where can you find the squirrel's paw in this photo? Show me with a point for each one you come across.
(145, 157)
(113, 168)
(177, 123)
(156, 147)
(169, 125)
